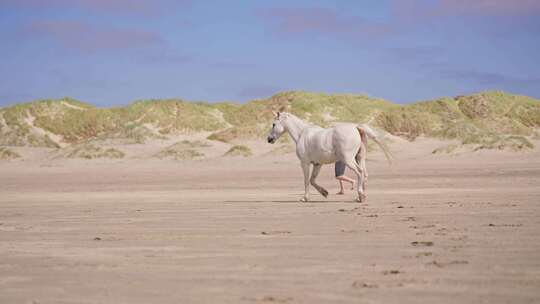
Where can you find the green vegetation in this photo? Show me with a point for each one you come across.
(491, 142)
(239, 150)
(253, 119)
(513, 143)
(175, 115)
(322, 109)
(131, 133)
(470, 119)
(90, 151)
(6, 153)
(183, 150)
(474, 119)
(192, 144)
(179, 154)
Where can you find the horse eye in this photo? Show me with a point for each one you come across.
(273, 125)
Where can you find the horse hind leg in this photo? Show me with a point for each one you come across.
(361, 160)
(358, 170)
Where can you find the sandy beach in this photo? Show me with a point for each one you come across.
(435, 229)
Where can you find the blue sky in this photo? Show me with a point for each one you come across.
(112, 52)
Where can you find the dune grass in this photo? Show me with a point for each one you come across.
(183, 150)
(239, 150)
(7, 154)
(512, 143)
(179, 154)
(469, 119)
(90, 151)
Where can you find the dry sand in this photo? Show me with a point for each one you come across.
(435, 229)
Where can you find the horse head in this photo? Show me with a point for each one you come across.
(278, 127)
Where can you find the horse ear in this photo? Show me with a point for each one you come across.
(276, 114)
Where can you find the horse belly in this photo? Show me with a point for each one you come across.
(323, 153)
(327, 158)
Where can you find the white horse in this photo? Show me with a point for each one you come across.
(344, 142)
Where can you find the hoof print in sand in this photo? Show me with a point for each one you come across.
(349, 210)
(269, 299)
(391, 272)
(275, 232)
(357, 284)
(409, 219)
(441, 265)
(424, 254)
(422, 243)
(505, 225)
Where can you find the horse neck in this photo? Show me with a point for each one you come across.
(294, 126)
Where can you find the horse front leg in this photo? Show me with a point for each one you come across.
(314, 174)
(305, 168)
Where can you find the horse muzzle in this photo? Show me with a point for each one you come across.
(271, 140)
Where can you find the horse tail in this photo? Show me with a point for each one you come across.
(365, 132)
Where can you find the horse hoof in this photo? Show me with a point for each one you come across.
(324, 193)
(361, 198)
(304, 199)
